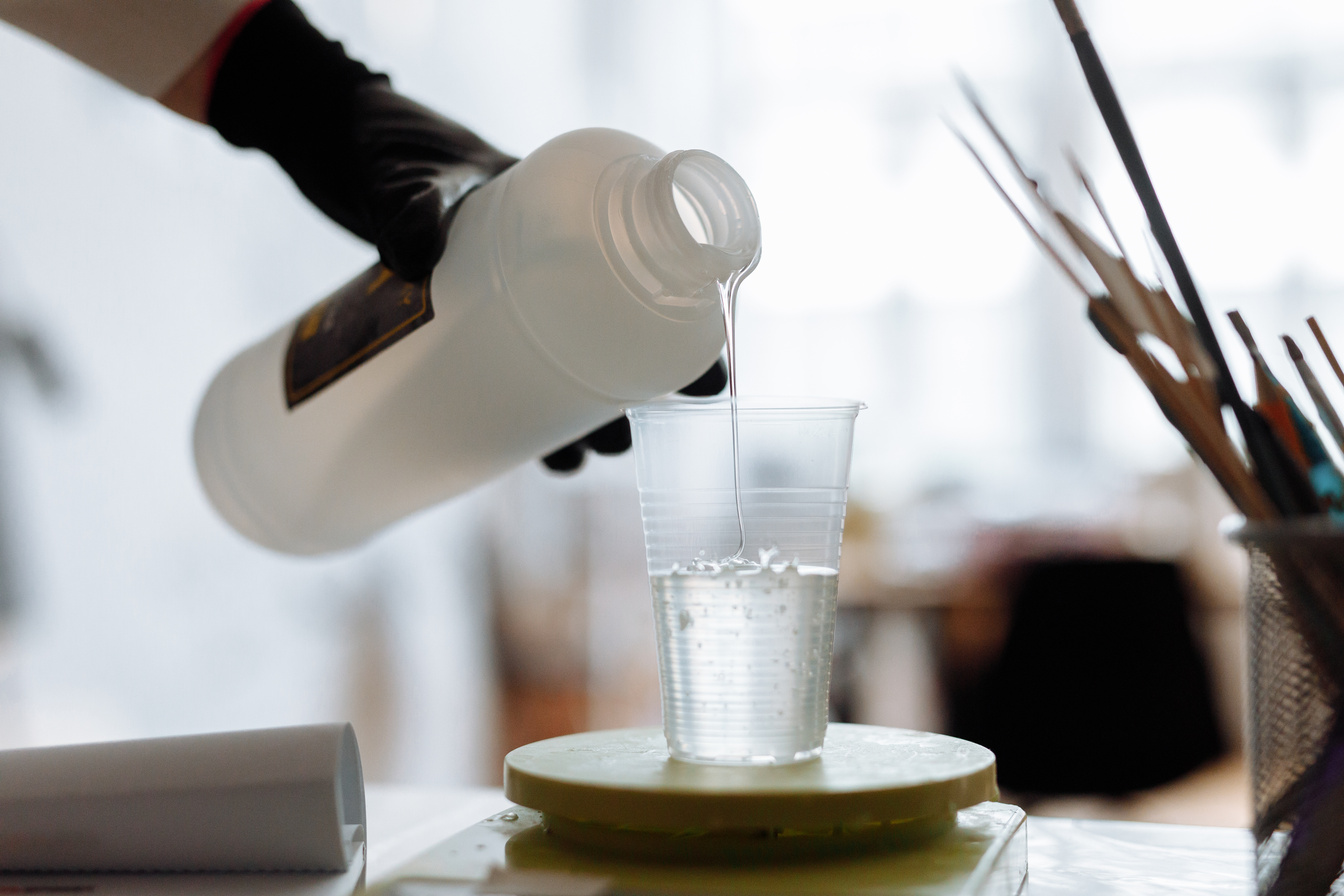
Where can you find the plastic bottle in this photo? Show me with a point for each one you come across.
(580, 281)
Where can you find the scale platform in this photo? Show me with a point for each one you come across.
(882, 812)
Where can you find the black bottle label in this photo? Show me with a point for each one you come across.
(349, 327)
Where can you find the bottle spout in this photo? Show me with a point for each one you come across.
(715, 207)
(681, 224)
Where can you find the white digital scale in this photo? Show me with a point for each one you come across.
(882, 812)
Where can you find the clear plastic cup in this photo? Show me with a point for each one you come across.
(744, 647)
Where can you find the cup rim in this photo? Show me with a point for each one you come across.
(682, 404)
(1271, 532)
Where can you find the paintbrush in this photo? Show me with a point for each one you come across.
(1108, 103)
(1202, 430)
(1030, 185)
(1271, 400)
(1276, 470)
(1325, 347)
(1171, 326)
(1188, 404)
(1324, 408)
(1148, 311)
(1140, 307)
(1046, 246)
(1277, 405)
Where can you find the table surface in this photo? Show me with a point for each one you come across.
(1064, 856)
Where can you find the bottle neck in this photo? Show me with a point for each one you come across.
(675, 227)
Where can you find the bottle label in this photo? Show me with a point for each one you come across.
(349, 327)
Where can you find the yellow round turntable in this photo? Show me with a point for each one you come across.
(619, 791)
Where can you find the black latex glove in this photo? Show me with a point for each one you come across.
(614, 437)
(384, 167)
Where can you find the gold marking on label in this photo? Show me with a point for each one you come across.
(308, 327)
(384, 274)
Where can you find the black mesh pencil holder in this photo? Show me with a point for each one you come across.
(1295, 653)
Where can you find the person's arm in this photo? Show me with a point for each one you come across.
(145, 45)
(384, 167)
(189, 94)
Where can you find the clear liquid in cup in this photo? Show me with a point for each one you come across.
(744, 656)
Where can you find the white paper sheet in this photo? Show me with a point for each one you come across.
(282, 799)
(272, 883)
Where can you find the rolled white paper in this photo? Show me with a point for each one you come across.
(279, 799)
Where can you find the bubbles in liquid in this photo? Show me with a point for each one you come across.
(741, 566)
(748, 685)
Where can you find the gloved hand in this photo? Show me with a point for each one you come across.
(384, 167)
(614, 437)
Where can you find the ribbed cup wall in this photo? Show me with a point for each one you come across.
(802, 524)
(793, 467)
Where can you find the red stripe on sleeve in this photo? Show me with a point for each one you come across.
(220, 48)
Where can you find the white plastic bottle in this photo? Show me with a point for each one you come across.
(580, 281)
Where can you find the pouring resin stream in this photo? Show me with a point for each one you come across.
(728, 288)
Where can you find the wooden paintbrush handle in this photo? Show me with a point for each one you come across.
(1325, 347)
(1069, 15)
